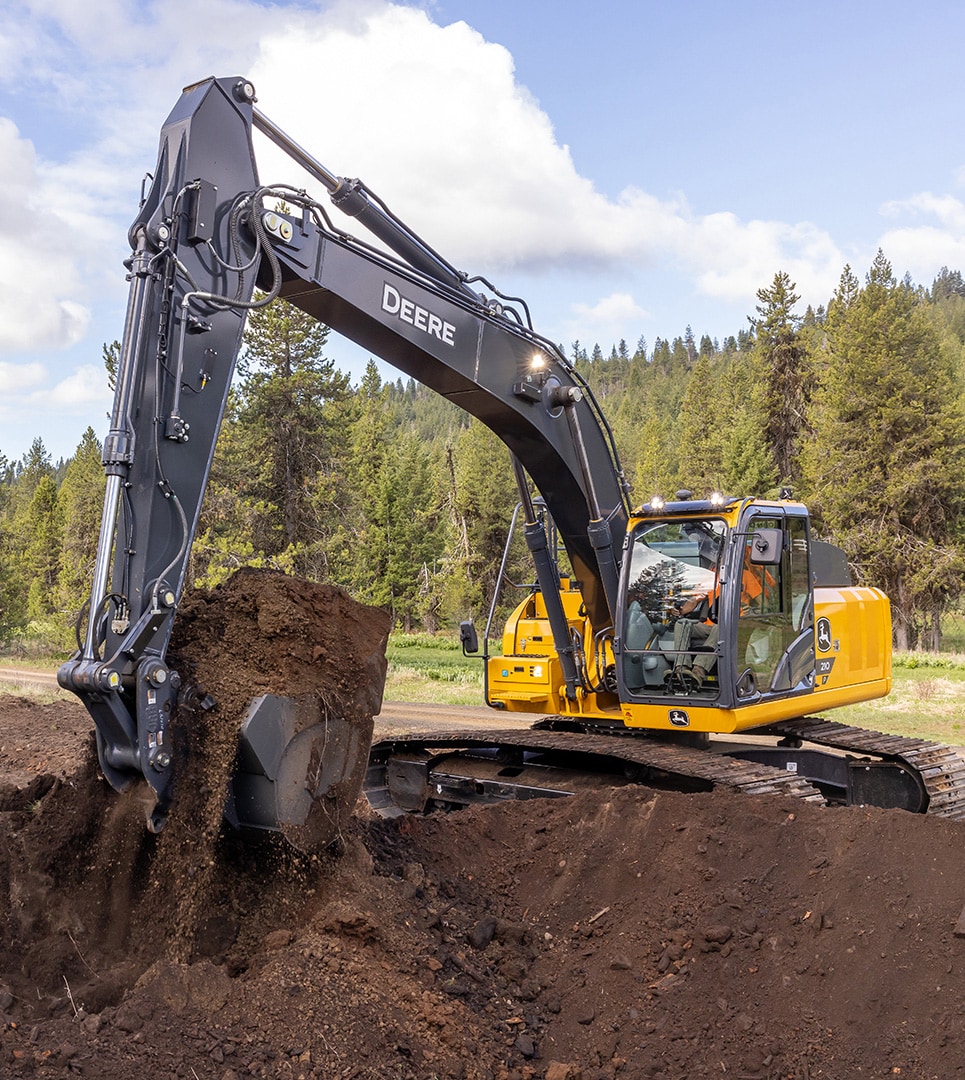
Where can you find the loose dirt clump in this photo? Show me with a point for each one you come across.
(625, 933)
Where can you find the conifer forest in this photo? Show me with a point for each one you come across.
(388, 490)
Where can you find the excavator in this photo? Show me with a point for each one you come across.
(686, 642)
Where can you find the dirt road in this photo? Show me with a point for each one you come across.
(396, 717)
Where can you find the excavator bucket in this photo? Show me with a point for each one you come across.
(299, 770)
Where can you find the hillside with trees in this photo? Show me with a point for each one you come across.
(390, 491)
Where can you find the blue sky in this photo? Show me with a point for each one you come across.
(629, 167)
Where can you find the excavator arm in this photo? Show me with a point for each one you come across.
(207, 234)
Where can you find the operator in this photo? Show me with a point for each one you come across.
(756, 586)
(694, 631)
(702, 662)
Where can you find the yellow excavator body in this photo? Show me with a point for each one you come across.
(840, 638)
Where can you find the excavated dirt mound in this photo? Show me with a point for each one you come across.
(628, 934)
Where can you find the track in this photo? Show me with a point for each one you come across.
(417, 770)
(940, 768)
(458, 767)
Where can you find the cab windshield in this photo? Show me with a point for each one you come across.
(673, 560)
(671, 606)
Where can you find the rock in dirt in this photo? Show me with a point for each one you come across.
(482, 933)
(960, 925)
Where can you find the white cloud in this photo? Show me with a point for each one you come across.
(611, 318)
(733, 259)
(441, 129)
(923, 251)
(934, 238)
(949, 210)
(40, 255)
(15, 379)
(83, 388)
(616, 306)
(432, 116)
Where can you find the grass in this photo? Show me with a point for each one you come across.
(41, 692)
(927, 700)
(431, 668)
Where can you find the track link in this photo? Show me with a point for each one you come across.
(673, 760)
(941, 769)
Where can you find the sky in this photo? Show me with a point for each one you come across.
(630, 167)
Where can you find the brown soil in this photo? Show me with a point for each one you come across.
(630, 934)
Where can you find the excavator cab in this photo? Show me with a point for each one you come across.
(752, 649)
(718, 606)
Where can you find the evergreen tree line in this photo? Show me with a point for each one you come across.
(390, 491)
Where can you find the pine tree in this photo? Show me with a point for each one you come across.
(690, 345)
(12, 605)
(29, 471)
(479, 500)
(947, 283)
(654, 470)
(25, 550)
(788, 379)
(886, 461)
(700, 432)
(408, 513)
(364, 544)
(80, 498)
(747, 460)
(42, 530)
(292, 417)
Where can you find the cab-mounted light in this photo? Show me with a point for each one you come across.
(716, 498)
(657, 502)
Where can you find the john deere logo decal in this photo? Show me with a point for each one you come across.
(678, 718)
(824, 635)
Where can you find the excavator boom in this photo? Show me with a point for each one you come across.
(206, 234)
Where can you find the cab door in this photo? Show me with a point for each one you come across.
(774, 640)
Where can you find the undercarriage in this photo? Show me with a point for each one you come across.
(811, 759)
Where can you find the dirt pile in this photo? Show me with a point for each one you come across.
(638, 935)
(83, 876)
(259, 633)
(628, 934)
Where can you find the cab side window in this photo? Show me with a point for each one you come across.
(774, 649)
(761, 636)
